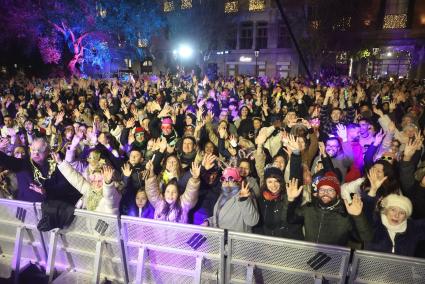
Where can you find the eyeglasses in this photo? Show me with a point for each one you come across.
(38, 151)
(387, 158)
(326, 190)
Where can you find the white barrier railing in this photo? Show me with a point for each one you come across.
(98, 247)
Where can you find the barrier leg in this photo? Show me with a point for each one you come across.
(318, 279)
(198, 269)
(16, 263)
(141, 264)
(97, 262)
(50, 269)
(249, 273)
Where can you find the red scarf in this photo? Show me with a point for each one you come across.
(270, 196)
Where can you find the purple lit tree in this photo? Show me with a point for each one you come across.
(79, 32)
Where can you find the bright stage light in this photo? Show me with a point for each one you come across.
(185, 51)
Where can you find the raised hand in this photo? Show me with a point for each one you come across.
(244, 191)
(107, 173)
(342, 132)
(59, 117)
(163, 145)
(149, 170)
(293, 143)
(378, 112)
(222, 131)
(126, 169)
(130, 122)
(195, 170)
(208, 161)
(56, 157)
(379, 137)
(375, 181)
(292, 189)
(37, 188)
(322, 149)
(356, 206)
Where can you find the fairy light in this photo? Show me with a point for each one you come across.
(256, 5)
(186, 4)
(231, 7)
(168, 6)
(395, 21)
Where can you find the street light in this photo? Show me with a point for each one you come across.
(256, 53)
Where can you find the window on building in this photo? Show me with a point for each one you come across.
(231, 7)
(186, 4)
(168, 6)
(231, 37)
(261, 40)
(343, 24)
(257, 5)
(284, 39)
(245, 40)
(396, 14)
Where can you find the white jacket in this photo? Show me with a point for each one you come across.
(111, 197)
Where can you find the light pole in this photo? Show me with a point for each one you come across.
(256, 53)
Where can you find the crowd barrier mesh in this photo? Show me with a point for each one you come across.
(100, 247)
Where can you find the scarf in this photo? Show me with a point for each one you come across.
(93, 199)
(227, 192)
(393, 229)
(269, 196)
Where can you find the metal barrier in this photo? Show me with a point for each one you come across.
(20, 241)
(373, 267)
(260, 259)
(164, 252)
(99, 247)
(89, 250)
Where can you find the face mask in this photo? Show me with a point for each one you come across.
(230, 190)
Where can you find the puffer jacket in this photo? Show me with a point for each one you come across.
(186, 201)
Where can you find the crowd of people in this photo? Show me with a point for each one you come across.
(336, 161)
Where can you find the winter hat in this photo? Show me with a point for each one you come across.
(167, 120)
(331, 180)
(232, 174)
(400, 201)
(139, 130)
(273, 172)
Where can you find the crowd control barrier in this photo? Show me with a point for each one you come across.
(98, 247)
(88, 251)
(164, 252)
(20, 241)
(372, 267)
(260, 259)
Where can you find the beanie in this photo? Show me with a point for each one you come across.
(331, 180)
(167, 120)
(273, 172)
(139, 130)
(400, 201)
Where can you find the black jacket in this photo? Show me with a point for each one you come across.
(55, 214)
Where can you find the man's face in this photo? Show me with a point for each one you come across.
(364, 127)
(257, 124)
(166, 129)
(29, 126)
(135, 158)
(187, 146)
(326, 194)
(336, 115)
(8, 122)
(353, 134)
(39, 151)
(332, 148)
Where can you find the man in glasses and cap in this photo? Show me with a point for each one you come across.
(236, 208)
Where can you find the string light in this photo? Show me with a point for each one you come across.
(231, 7)
(142, 42)
(256, 5)
(314, 25)
(186, 4)
(343, 24)
(395, 21)
(168, 6)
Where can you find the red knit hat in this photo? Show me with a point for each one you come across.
(331, 180)
(139, 130)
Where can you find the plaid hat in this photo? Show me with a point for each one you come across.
(331, 180)
(400, 201)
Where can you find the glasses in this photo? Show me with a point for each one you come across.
(38, 151)
(387, 158)
(166, 127)
(326, 190)
(139, 134)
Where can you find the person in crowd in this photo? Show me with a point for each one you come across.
(141, 206)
